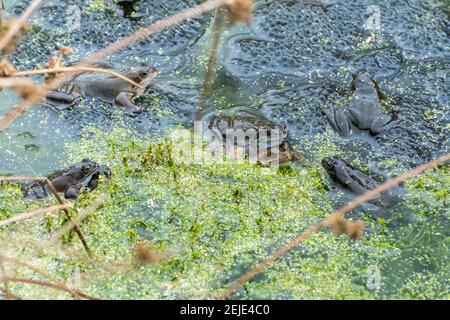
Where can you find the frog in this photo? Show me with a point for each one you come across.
(105, 86)
(358, 182)
(71, 181)
(364, 111)
(261, 139)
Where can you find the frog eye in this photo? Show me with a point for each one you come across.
(327, 163)
(87, 168)
(144, 73)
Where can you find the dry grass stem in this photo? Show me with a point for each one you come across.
(122, 43)
(58, 198)
(34, 213)
(329, 221)
(98, 202)
(211, 63)
(75, 293)
(16, 25)
(56, 286)
(75, 69)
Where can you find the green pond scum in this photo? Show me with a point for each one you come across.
(212, 222)
(164, 228)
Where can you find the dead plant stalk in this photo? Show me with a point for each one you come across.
(327, 222)
(34, 213)
(122, 43)
(75, 69)
(58, 198)
(18, 24)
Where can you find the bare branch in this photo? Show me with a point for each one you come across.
(327, 222)
(18, 24)
(160, 25)
(56, 286)
(72, 69)
(32, 214)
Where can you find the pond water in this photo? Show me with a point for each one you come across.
(293, 60)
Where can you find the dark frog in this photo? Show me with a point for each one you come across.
(364, 111)
(357, 182)
(246, 133)
(71, 181)
(104, 86)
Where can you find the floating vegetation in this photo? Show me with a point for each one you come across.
(167, 218)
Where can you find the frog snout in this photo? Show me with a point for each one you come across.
(327, 163)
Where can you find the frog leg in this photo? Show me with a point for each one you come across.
(71, 193)
(52, 107)
(62, 97)
(299, 157)
(338, 120)
(124, 99)
(379, 124)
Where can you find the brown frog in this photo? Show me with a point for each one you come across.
(364, 111)
(357, 182)
(250, 134)
(104, 86)
(71, 181)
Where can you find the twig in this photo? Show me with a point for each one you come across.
(160, 25)
(58, 198)
(72, 69)
(3, 273)
(31, 214)
(29, 266)
(327, 222)
(50, 277)
(56, 286)
(18, 24)
(211, 62)
(99, 201)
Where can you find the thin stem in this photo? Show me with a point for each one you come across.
(211, 63)
(16, 25)
(32, 214)
(232, 288)
(160, 25)
(75, 69)
(99, 201)
(58, 198)
(55, 286)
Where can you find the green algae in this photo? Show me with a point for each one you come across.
(215, 221)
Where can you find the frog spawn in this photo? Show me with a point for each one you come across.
(96, 30)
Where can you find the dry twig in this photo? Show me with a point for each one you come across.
(329, 222)
(34, 213)
(56, 286)
(17, 25)
(98, 202)
(160, 25)
(58, 198)
(211, 63)
(75, 69)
